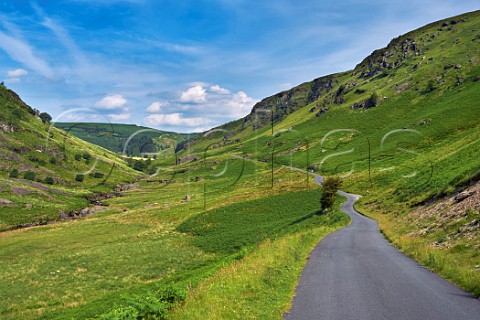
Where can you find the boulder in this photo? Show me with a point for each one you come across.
(4, 202)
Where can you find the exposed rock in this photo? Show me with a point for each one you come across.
(6, 128)
(424, 122)
(463, 195)
(4, 202)
(125, 187)
(321, 112)
(21, 150)
(21, 191)
(402, 87)
(191, 157)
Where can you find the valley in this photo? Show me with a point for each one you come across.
(218, 225)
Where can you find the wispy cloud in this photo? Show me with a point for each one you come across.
(175, 120)
(22, 52)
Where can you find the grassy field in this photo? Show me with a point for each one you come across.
(144, 240)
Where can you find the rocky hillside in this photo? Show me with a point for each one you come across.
(433, 58)
(46, 174)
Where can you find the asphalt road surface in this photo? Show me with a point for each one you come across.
(354, 273)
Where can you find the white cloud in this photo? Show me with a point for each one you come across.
(196, 94)
(219, 90)
(17, 73)
(155, 106)
(111, 102)
(240, 104)
(212, 105)
(175, 120)
(119, 117)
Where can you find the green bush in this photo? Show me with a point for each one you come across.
(372, 101)
(29, 175)
(87, 156)
(49, 180)
(431, 86)
(151, 306)
(79, 177)
(78, 156)
(53, 161)
(139, 165)
(14, 173)
(98, 175)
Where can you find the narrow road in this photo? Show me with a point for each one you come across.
(354, 273)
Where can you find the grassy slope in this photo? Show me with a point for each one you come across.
(85, 267)
(261, 285)
(114, 136)
(420, 143)
(46, 151)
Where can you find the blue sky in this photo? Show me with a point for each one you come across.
(189, 65)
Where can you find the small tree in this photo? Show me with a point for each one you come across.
(431, 86)
(372, 101)
(87, 156)
(79, 177)
(49, 180)
(98, 175)
(29, 175)
(139, 165)
(78, 156)
(46, 118)
(14, 173)
(330, 187)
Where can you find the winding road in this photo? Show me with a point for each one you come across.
(354, 273)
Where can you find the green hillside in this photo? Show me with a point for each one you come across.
(402, 129)
(127, 139)
(222, 229)
(41, 167)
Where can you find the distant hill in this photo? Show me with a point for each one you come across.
(124, 138)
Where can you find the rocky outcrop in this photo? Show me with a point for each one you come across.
(4, 202)
(275, 108)
(188, 158)
(6, 128)
(401, 48)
